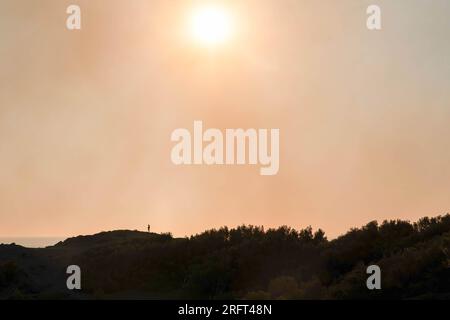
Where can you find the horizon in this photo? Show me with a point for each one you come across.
(44, 241)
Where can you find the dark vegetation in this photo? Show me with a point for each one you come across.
(243, 263)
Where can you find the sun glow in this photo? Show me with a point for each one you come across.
(211, 25)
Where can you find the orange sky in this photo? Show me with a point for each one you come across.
(86, 116)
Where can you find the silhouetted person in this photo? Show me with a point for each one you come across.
(148, 228)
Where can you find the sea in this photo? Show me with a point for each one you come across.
(32, 242)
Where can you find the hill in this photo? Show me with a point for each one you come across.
(247, 262)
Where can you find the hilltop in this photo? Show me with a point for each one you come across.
(247, 262)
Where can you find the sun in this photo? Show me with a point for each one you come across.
(211, 25)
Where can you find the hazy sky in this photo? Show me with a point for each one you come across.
(86, 116)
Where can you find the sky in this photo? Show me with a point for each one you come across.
(86, 116)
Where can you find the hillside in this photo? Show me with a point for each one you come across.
(243, 263)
